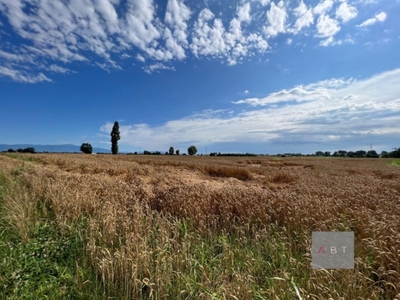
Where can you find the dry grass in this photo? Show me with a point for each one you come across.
(234, 172)
(217, 227)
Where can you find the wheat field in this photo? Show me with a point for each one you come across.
(180, 227)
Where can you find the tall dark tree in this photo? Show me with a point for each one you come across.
(171, 151)
(115, 137)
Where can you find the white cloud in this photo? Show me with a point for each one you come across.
(330, 110)
(177, 16)
(277, 19)
(244, 13)
(327, 27)
(365, 2)
(10, 56)
(140, 25)
(107, 10)
(381, 17)
(125, 56)
(264, 2)
(208, 40)
(211, 38)
(58, 69)
(346, 12)
(323, 7)
(105, 32)
(327, 42)
(140, 58)
(19, 76)
(246, 92)
(300, 10)
(156, 67)
(332, 42)
(304, 16)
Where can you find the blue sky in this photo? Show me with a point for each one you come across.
(259, 76)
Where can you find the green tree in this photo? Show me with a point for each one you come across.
(171, 151)
(29, 150)
(372, 154)
(177, 151)
(86, 148)
(115, 137)
(192, 150)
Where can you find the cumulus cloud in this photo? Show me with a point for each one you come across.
(323, 7)
(176, 17)
(211, 38)
(304, 16)
(326, 111)
(277, 19)
(244, 13)
(346, 12)
(106, 32)
(208, 39)
(327, 27)
(381, 17)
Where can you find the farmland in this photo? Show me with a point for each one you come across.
(180, 227)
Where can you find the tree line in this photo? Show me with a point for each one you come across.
(361, 154)
(116, 136)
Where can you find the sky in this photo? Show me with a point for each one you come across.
(259, 76)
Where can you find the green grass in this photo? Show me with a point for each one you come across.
(396, 163)
(49, 265)
(22, 157)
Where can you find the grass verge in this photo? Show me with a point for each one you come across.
(396, 163)
(44, 262)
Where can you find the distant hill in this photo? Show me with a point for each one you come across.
(51, 148)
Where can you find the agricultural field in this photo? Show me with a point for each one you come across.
(178, 227)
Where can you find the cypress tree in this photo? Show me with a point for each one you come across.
(115, 136)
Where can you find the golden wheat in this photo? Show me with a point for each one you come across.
(136, 207)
